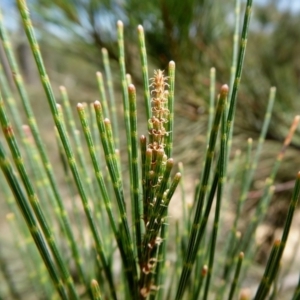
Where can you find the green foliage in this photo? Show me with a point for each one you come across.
(93, 250)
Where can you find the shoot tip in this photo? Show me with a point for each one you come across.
(131, 88)
(172, 64)
(224, 88)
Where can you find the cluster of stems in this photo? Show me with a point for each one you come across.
(143, 250)
(156, 172)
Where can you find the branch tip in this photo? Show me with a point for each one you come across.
(131, 88)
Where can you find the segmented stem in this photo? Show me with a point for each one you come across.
(143, 54)
(137, 209)
(111, 96)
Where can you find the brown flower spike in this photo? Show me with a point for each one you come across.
(157, 133)
(160, 112)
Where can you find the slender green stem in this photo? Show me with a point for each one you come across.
(113, 150)
(103, 99)
(170, 123)
(237, 68)
(147, 185)
(143, 148)
(68, 110)
(126, 117)
(222, 180)
(110, 159)
(161, 268)
(212, 95)
(95, 290)
(112, 104)
(144, 63)
(274, 293)
(236, 276)
(128, 79)
(237, 12)
(183, 203)
(265, 283)
(200, 280)
(240, 62)
(137, 209)
(6, 92)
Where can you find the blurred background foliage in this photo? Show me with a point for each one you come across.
(197, 35)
